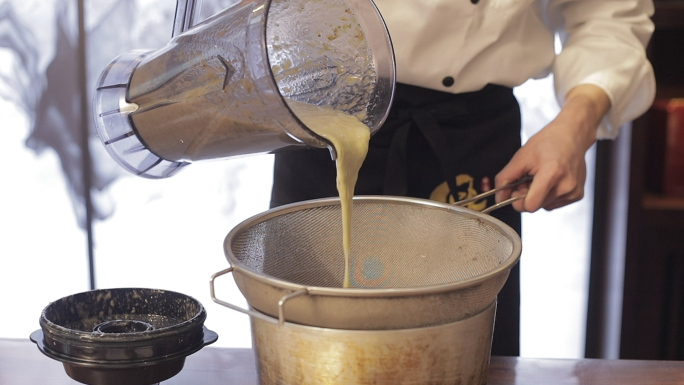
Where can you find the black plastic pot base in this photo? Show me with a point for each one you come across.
(130, 336)
(144, 375)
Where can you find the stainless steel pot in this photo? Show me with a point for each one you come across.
(449, 354)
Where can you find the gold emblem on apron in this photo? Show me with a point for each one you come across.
(441, 192)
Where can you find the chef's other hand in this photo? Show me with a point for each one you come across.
(555, 155)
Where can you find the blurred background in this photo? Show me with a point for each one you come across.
(72, 220)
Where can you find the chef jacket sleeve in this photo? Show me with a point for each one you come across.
(603, 43)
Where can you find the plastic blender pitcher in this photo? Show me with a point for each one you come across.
(218, 89)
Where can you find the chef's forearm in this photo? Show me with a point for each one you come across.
(586, 104)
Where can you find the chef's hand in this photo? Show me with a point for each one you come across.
(555, 155)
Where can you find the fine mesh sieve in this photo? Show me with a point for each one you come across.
(414, 262)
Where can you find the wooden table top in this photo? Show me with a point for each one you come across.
(21, 363)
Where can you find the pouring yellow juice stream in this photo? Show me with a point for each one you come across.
(349, 137)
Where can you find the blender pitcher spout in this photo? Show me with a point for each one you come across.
(220, 88)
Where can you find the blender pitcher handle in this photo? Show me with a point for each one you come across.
(186, 12)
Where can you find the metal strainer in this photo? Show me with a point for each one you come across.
(414, 263)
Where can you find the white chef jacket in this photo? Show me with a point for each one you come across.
(507, 42)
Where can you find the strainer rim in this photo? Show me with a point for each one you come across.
(508, 264)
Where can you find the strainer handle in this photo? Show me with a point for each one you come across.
(235, 307)
(485, 194)
(502, 204)
(285, 298)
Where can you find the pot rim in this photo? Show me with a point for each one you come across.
(54, 329)
(122, 349)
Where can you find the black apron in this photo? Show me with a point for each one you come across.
(433, 145)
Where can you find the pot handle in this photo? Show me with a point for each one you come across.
(281, 303)
(210, 336)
